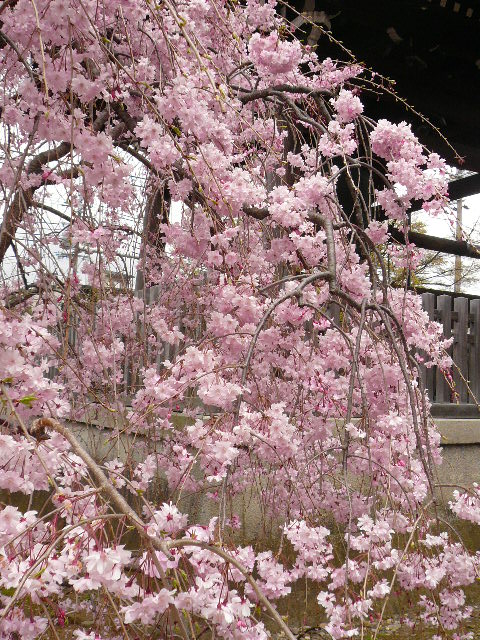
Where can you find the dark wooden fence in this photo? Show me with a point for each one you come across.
(460, 318)
(132, 374)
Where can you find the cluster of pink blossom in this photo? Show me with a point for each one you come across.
(274, 365)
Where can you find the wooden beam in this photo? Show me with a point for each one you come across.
(464, 187)
(434, 243)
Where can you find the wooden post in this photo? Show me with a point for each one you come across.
(428, 375)
(131, 371)
(460, 348)
(475, 350)
(458, 260)
(444, 306)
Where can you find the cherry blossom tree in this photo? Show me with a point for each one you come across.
(199, 141)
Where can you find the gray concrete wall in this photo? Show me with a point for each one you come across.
(461, 454)
(460, 439)
(460, 467)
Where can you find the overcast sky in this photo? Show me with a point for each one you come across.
(444, 227)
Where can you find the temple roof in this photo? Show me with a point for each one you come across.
(431, 48)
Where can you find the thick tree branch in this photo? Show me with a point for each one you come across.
(23, 198)
(261, 94)
(56, 212)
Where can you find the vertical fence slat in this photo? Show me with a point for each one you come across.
(444, 307)
(460, 348)
(428, 375)
(153, 293)
(130, 371)
(475, 350)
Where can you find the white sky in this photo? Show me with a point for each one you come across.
(441, 226)
(444, 226)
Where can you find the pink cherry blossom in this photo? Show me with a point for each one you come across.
(192, 330)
